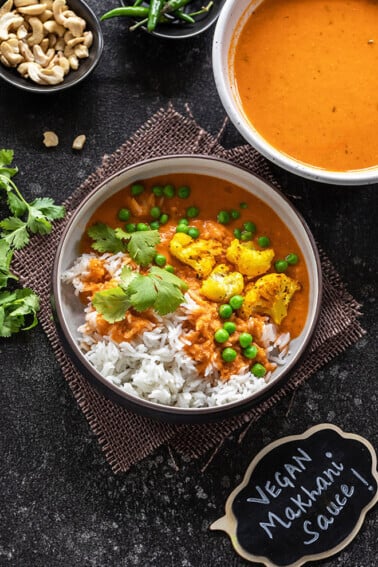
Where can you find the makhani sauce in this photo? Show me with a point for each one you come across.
(306, 75)
(209, 195)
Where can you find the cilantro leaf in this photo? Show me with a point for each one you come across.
(16, 205)
(5, 259)
(47, 208)
(14, 232)
(112, 304)
(141, 246)
(170, 289)
(16, 309)
(6, 157)
(142, 293)
(105, 239)
(127, 275)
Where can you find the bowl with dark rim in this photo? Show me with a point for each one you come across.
(69, 310)
(177, 29)
(86, 66)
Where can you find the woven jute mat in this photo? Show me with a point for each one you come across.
(124, 436)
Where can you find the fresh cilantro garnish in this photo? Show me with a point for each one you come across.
(159, 290)
(5, 260)
(140, 245)
(105, 239)
(34, 217)
(18, 311)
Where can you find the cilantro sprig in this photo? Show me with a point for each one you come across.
(140, 245)
(27, 218)
(18, 308)
(158, 289)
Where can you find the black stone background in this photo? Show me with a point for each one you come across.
(60, 503)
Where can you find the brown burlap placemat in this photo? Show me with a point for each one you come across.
(124, 436)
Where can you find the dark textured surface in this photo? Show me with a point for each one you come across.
(61, 504)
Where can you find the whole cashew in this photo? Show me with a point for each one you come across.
(37, 28)
(32, 10)
(51, 26)
(22, 3)
(41, 57)
(6, 7)
(10, 55)
(7, 21)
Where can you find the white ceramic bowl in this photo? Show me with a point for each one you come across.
(70, 311)
(234, 15)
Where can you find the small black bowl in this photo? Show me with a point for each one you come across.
(182, 30)
(73, 77)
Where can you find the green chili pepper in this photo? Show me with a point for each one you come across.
(127, 11)
(154, 13)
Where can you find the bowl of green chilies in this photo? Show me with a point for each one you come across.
(171, 19)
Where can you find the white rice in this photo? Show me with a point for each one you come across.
(154, 365)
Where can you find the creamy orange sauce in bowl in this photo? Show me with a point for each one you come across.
(298, 79)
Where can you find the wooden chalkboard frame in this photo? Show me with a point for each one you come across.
(229, 522)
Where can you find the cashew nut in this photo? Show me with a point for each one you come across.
(88, 39)
(50, 139)
(9, 53)
(47, 15)
(22, 32)
(60, 44)
(4, 61)
(25, 51)
(8, 21)
(6, 7)
(32, 10)
(79, 142)
(41, 57)
(74, 62)
(22, 3)
(51, 26)
(37, 29)
(81, 51)
(58, 8)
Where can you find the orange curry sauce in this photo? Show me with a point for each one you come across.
(209, 195)
(306, 75)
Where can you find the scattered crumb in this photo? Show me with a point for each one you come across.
(50, 139)
(79, 142)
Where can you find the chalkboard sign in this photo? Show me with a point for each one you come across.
(303, 498)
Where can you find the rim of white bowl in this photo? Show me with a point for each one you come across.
(102, 192)
(223, 35)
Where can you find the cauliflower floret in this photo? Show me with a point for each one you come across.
(270, 295)
(222, 284)
(199, 254)
(249, 261)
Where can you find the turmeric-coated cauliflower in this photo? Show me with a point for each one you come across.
(222, 284)
(249, 261)
(270, 295)
(199, 254)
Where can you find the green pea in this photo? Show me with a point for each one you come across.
(183, 221)
(157, 190)
(223, 217)
(142, 226)
(124, 214)
(155, 225)
(221, 336)
(230, 327)
(164, 218)
(130, 227)
(169, 191)
(170, 269)
(235, 214)
(236, 301)
(182, 228)
(160, 260)
(251, 352)
(192, 212)
(225, 311)
(250, 226)
(246, 235)
(263, 241)
(183, 192)
(292, 259)
(193, 232)
(243, 205)
(237, 233)
(258, 370)
(155, 212)
(245, 340)
(229, 354)
(281, 266)
(137, 189)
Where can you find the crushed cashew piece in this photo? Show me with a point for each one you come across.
(79, 142)
(50, 139)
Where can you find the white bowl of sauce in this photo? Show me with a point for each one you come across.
(298, 80)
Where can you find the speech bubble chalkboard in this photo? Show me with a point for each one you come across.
(303, 498)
